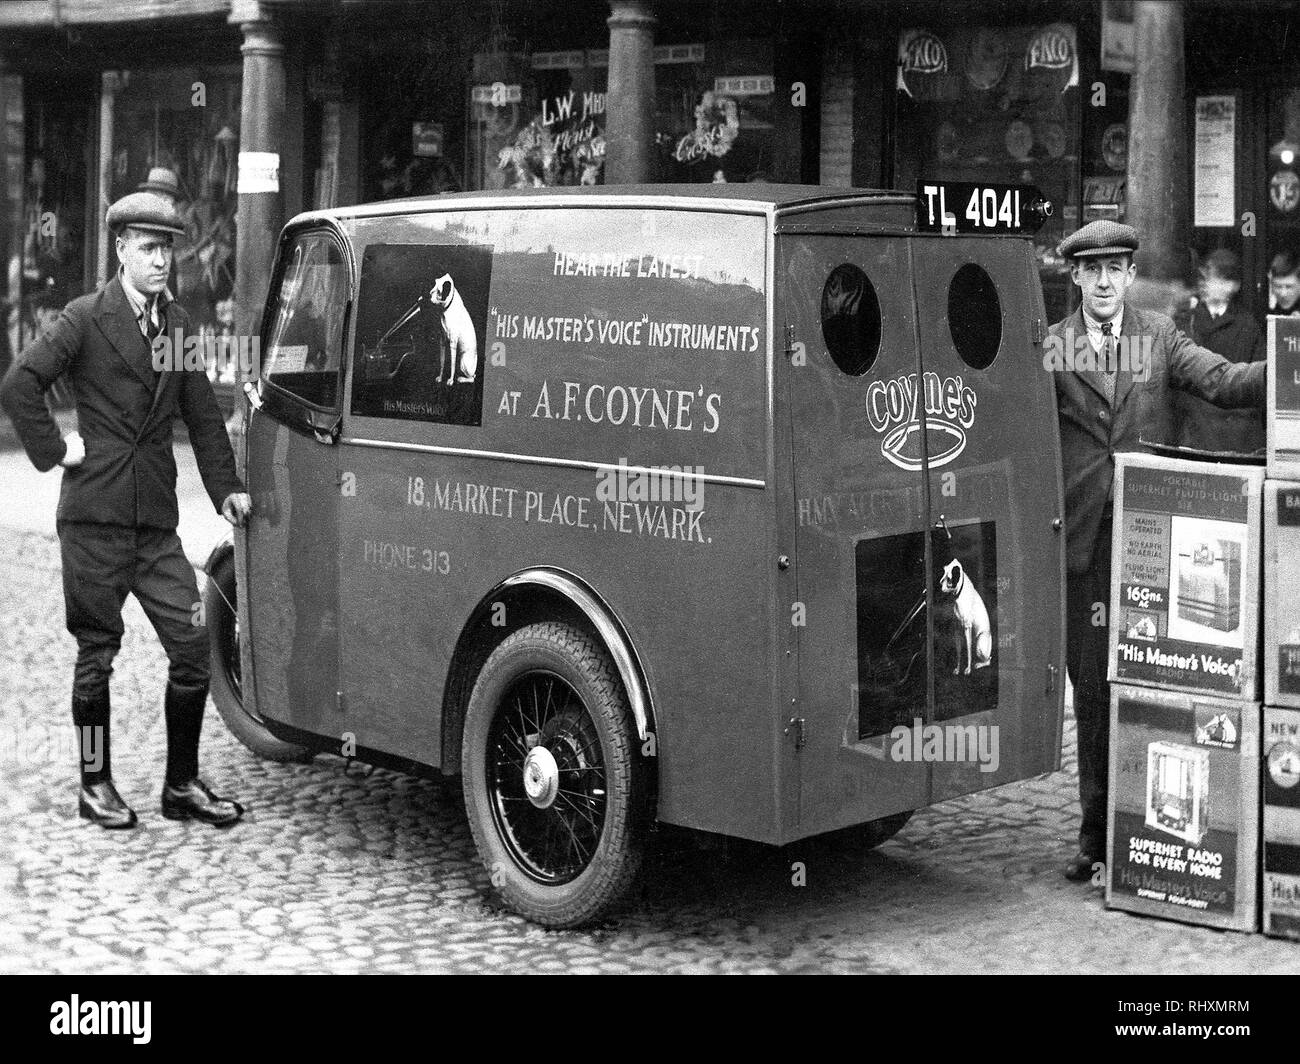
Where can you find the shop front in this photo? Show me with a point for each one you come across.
(83, 129)
(997, 103)
(521, 100)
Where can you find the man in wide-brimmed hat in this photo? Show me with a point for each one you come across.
(1102, 411)
(162, 182)
(118, 510)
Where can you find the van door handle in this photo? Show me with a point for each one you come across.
(250, 393)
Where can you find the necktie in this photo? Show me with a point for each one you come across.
(152, 322)
(153, 327)
(1108, 363)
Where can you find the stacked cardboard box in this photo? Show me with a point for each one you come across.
(1185, 711)
(1185, 576)
(1281, 881)
(1281, 776)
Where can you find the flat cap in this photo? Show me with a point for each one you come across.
(1102, 237)
(145, 210)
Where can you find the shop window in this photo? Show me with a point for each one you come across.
(851, 319)
(304, 344)
(998, 103)
(538, 119)
(184, 120)
(974, 316)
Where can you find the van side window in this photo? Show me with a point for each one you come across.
(975, 316)
(305, 344)
(850, 315)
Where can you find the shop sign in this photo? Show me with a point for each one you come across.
(1215, 162)
(986, 58)
(665, 53)
(1284, 190)
(566, 107)
(679, 53)
(717, 125)
(1105, 189)
(1117, 36)
(1114, 146)
(746, 85)
(498, 94)
(259, 171)
(559, 60)
(920, 52)
(427, 139)
(1053, 48)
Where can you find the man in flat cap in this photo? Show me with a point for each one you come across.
(1103, 411)
(117, 510)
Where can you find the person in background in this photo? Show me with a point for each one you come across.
(1217, 322)
(1283, 286)
(162, 182)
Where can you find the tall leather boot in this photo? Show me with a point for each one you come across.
(99, 801)
(184, 795)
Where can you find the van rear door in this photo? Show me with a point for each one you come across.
(908, 457)
(995, 495)
(859, 524)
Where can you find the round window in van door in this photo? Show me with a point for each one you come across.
(851, 319)
(975, 316)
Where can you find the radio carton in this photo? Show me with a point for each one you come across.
(1283, 417)
(1182, 840)
(1185, 576)
(1281, 882)
(1282, 593)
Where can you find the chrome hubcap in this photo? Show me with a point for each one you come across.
(541, 777)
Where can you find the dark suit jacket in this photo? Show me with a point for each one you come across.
(129, 474)
(1235, 336)
(1091, 433)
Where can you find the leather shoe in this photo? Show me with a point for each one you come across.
(101, 804)
(1079, 868)
(194, 801)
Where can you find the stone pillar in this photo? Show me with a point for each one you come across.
(261, 133)
(1157, 139)
(630, 99)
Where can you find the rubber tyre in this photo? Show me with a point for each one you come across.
(581, 662)
(225, 669)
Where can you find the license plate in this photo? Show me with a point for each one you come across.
(963, 207)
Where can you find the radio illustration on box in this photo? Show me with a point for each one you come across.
(1178, 790)
(1209, 584)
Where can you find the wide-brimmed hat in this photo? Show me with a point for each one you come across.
(145, 210)
(162, 180)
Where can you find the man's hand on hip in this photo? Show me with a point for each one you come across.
(236, 508)
(76, 450)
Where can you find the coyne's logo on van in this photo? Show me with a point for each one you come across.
(949, 412)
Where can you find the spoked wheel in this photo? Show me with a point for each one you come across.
(221, 611)
(547, 779)
(552, 778)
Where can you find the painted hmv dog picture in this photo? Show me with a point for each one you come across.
(892, 604)
(421, 327)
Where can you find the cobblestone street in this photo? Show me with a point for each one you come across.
(344, 871)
